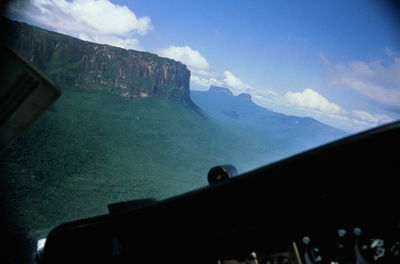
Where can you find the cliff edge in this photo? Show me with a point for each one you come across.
(71, 62)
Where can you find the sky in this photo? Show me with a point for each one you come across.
(336, 61)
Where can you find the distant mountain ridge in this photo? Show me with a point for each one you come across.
(72, 62)
(218, 100)
(227, 91)
(240, 112)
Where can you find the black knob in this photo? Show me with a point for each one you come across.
(221, 173)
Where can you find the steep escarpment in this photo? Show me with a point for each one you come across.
(71, 62)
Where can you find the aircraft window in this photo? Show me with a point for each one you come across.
(156, 93)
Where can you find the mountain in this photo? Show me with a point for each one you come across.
(293, 134)
(71, 62)
(98, 145)
(126, 128)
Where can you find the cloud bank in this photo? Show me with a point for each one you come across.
(205, 82)
(99, 21)
(312, 100)
(201, 75)
(371, 119)
(235, 82)
(185, 54)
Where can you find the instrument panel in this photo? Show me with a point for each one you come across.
(342, 246)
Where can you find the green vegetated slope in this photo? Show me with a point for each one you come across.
(93, 148)
(124, 128)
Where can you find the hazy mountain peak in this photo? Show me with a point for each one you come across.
(220, 89)
(227, 91)
(245, 96)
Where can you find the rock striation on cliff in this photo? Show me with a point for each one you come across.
(72, 62)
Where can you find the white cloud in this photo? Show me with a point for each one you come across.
(185, 54)
(235, 82)
(358, 120)
(200, 68)
(204, 83)
(373, 119)
(265, 93)
(100, 21)
(201, 78)
(322, 109)
(128, 43)
(312, 100)
(376, 80)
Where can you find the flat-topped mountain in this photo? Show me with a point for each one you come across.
(72, 62)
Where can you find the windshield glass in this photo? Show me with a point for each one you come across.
(155, 93)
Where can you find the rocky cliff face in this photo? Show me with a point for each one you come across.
(71, 62)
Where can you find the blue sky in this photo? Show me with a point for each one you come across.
(337, 61)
